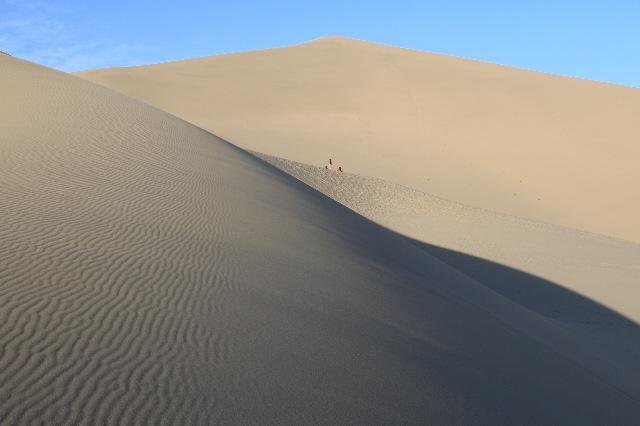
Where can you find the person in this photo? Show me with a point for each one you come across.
(340, 169)
(328, 165)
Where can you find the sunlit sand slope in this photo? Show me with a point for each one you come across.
(538, 146)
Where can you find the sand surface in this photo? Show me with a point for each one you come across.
(573, 277)
(544, 147)
(152, 273)
(603, 269)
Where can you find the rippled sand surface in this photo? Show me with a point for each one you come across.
(151, 273)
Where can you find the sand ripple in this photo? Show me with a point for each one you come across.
(151, 273)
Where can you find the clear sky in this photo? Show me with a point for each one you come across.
(598, 40)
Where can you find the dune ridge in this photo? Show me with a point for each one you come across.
(151, 272)
(538, 146)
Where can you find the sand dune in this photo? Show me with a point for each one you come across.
(152, 273)
(603, 269)
(541, 267)
(555, 149)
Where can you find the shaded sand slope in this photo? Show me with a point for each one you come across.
(551, 148)
(152, 273)
(517, 258)
(603, 269)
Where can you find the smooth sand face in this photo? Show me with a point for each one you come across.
(603, 269)
(151, 272)
(540, 267)
(559, 150)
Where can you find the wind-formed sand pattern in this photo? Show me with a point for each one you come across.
(153, 273)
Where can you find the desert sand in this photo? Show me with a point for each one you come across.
(544, 147)
(151, 272)
(575, 278)
(603, 269)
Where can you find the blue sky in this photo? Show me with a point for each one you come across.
(591, 39)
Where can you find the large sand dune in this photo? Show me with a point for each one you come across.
(152, 273)
(555, 149)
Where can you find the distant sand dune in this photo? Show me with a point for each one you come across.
(533, 145)
(151, 273)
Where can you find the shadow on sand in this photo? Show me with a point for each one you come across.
(532, 292)
(600, 333)
(599, 343)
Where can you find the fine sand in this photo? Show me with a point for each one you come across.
(550, 148)
(150, 272)
(570, 276)
(603, 269)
